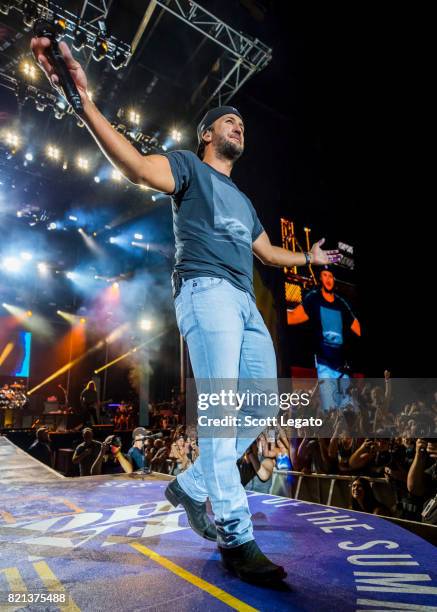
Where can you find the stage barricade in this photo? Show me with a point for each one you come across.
(327, 489)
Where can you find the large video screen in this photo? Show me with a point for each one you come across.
(15, 347)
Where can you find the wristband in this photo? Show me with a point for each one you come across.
(307, 258)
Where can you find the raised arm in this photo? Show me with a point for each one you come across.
(151, 170)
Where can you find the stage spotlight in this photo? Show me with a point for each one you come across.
(29, 70)
(60, 25)
(176, 135)
(40, 105)
(12, 264)
(138, 236)
(145, 324)
(29, 313)
(29, 156)
(52, 226)
(118, 61)
(153, 198)
(42, 267)
(134, 117)
(70, 275)
(53, 152)
(116, 175)
(72, 218)
(29, 14)
(100, 49)
(65, 165)
(112, 240)
(80, 40)
(82, 163)
(115, 285)
(26, 256)
(97, 179)
(82, 320)
(12, 140)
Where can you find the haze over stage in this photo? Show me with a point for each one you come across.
(114, 541)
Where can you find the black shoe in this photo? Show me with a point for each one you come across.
(196, 511)
(250, 564)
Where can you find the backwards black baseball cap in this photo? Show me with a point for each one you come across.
(212, 115)
(326, 268)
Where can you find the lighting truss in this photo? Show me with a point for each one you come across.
(145, 142)
(242, 56)
(90, 20)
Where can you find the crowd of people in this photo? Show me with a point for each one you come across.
(376, 437)
(170, 452)
(368, 440)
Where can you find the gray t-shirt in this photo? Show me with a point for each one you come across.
(214, 223)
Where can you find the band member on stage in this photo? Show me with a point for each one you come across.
(88, 404)
(217, 231)
(332, 320)
(123, 418)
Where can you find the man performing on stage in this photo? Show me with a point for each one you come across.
(88, 404)
(216, 231)
(332, 320)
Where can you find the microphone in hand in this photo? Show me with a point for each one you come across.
(44, 28)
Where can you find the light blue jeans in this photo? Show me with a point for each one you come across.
(227, 339)
(333, 387)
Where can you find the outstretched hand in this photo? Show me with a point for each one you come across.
(323, 258)
(40, 48)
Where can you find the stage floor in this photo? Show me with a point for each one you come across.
(114, 543)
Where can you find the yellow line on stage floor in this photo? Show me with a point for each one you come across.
(226, 598)
(15, 581)
(54, 584)
(7, 517)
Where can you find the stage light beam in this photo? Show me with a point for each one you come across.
(6, 352)
(12, 264)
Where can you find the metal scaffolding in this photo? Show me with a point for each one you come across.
(91, 16)
(242, 56)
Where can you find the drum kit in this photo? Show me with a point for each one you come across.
(12, 397)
